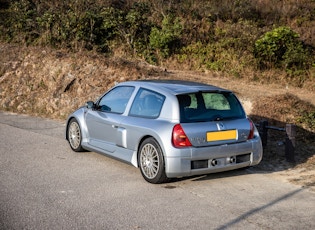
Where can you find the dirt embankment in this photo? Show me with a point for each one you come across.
(51, 83)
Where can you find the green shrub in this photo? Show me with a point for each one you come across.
(20, 24)
(228, 50)
(130, 25)
(281, 48)
(165, 39)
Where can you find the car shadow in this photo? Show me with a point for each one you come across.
(212, 176)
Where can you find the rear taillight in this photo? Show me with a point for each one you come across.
(251, 131)
(179, 137)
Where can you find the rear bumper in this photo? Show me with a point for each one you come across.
(214, 159)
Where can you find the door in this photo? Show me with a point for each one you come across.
(103, 121)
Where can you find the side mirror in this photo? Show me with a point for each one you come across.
(90, 105)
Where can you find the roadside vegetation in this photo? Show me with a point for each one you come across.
(265, 41)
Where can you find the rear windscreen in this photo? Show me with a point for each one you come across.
(209, 106)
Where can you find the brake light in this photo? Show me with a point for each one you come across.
(179, 138)
(251, 131)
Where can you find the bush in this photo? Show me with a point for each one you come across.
(165, 40)
(228, 50)
(281, 48)
(308, 119)
(20, 25)
(130, 25)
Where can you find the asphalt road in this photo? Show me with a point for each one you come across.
(44, 185)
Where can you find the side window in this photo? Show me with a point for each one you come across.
(147, 104)
(116, 100)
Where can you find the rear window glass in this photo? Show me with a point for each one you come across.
(209, 106)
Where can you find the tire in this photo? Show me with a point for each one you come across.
(74, 135)
(151, 161)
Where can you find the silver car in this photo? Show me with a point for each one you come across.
(167, 128)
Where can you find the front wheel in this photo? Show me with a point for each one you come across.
(151, 161)
(74, 135)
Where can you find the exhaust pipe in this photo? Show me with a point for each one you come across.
(214, 162)
(232, 160)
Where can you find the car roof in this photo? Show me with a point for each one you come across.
(177, 86)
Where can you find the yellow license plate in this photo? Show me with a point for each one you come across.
(222, 135)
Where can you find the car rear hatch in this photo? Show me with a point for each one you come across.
(213, 118)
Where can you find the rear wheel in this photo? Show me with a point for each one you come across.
(74, 135)
(151, 161)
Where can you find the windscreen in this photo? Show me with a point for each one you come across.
(209, 106)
